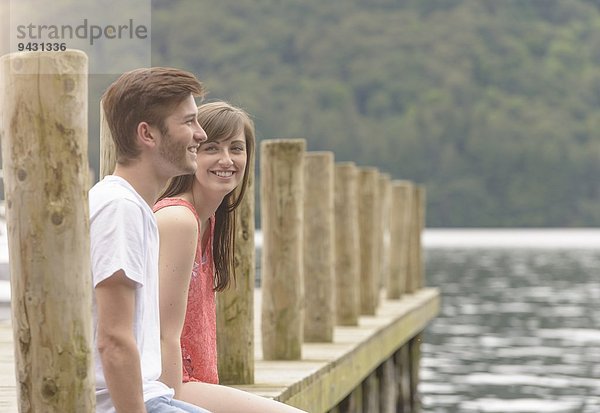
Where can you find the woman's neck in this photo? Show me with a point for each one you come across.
(205, 203)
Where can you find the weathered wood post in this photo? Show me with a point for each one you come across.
(370, 393)
(368, 217)
(414, 347)
(388, 394)
(403, 362)
(377, 239)
(319, 238)
(347, 248)
(44, 150)
(282, 205)
(385, 188)
(422, 199)
(108, 152)
(414, 257)
(235, 307)
(400, 237)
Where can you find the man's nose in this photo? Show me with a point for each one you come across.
(199, 134)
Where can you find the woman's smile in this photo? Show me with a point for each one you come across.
(223, 174)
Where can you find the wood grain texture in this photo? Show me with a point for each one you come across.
(282, 206)
(347, 252)
(319, 239)
(44, 149)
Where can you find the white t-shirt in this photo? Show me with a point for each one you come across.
(124, 235)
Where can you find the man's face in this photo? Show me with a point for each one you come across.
(178, 146)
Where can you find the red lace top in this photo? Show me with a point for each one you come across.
(199, 334)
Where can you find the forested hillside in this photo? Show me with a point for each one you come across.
(492, 105)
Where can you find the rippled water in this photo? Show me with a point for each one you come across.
(519, 331)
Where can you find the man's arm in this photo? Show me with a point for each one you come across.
(115, 299)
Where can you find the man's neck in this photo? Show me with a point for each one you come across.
(144, 180)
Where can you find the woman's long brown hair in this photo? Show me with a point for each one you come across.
(220, 121)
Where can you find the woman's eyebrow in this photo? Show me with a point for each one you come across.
(233, 139)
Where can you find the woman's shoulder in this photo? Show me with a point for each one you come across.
(174, 202)
(176, 216)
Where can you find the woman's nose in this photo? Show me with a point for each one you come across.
(225, 158)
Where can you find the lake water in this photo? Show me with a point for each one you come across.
(519, 328)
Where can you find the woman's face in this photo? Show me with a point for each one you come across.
(221, 164)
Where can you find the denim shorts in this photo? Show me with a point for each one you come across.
(165, 404)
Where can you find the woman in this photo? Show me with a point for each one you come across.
(196, 222)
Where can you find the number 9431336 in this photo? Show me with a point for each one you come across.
(41, 47)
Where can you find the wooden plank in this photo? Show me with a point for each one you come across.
(327, 373)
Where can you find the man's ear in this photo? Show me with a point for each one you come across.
(146, 134)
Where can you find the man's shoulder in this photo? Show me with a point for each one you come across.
(112, 185)
(113, 193)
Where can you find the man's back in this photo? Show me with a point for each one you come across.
(124, 237)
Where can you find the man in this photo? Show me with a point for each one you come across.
(151, 114)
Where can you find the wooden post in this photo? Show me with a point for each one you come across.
(422, 199)
(347, 252)
(403, 365)
(235, 307)
(415, 243)
(377, 239)
(353, 403)
(319, 238)
(400, 237)
(108, 152)
(282, 204)
(370, 390)
(414, 346)
(367, 196)
(385, 189)
(44, 149)
(388, 394)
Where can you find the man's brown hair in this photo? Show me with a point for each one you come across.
(144, 95)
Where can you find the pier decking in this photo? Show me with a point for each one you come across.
(327, 373)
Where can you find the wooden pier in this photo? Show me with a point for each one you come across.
(328, 372)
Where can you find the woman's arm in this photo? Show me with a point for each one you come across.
(178, 231)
